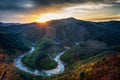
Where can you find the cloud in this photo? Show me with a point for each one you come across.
(105, 18)
(61, 4)
(32, 9)
(88, 7)
(15, 4)
(53, 2)
(23, 5)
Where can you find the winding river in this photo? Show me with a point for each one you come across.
(59, 69)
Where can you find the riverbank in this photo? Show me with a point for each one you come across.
(59, 69)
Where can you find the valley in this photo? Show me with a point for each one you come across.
(64, 49)
(57, 70)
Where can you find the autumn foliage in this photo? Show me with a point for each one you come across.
(105, 69)
(7, 71)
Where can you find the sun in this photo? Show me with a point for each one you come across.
(43, 19)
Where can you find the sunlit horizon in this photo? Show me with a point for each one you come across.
(33, 11)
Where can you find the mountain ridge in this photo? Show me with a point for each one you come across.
(62, 29)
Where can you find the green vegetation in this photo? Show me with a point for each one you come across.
(78, 55)
(14, 41)
(39, 59)
(44, 44)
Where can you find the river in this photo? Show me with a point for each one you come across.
(59, 69)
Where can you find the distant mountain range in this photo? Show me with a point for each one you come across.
(64, 29)
(8, 24)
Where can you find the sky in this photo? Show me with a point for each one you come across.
(27, 11)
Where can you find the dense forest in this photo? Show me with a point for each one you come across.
(91, 49)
